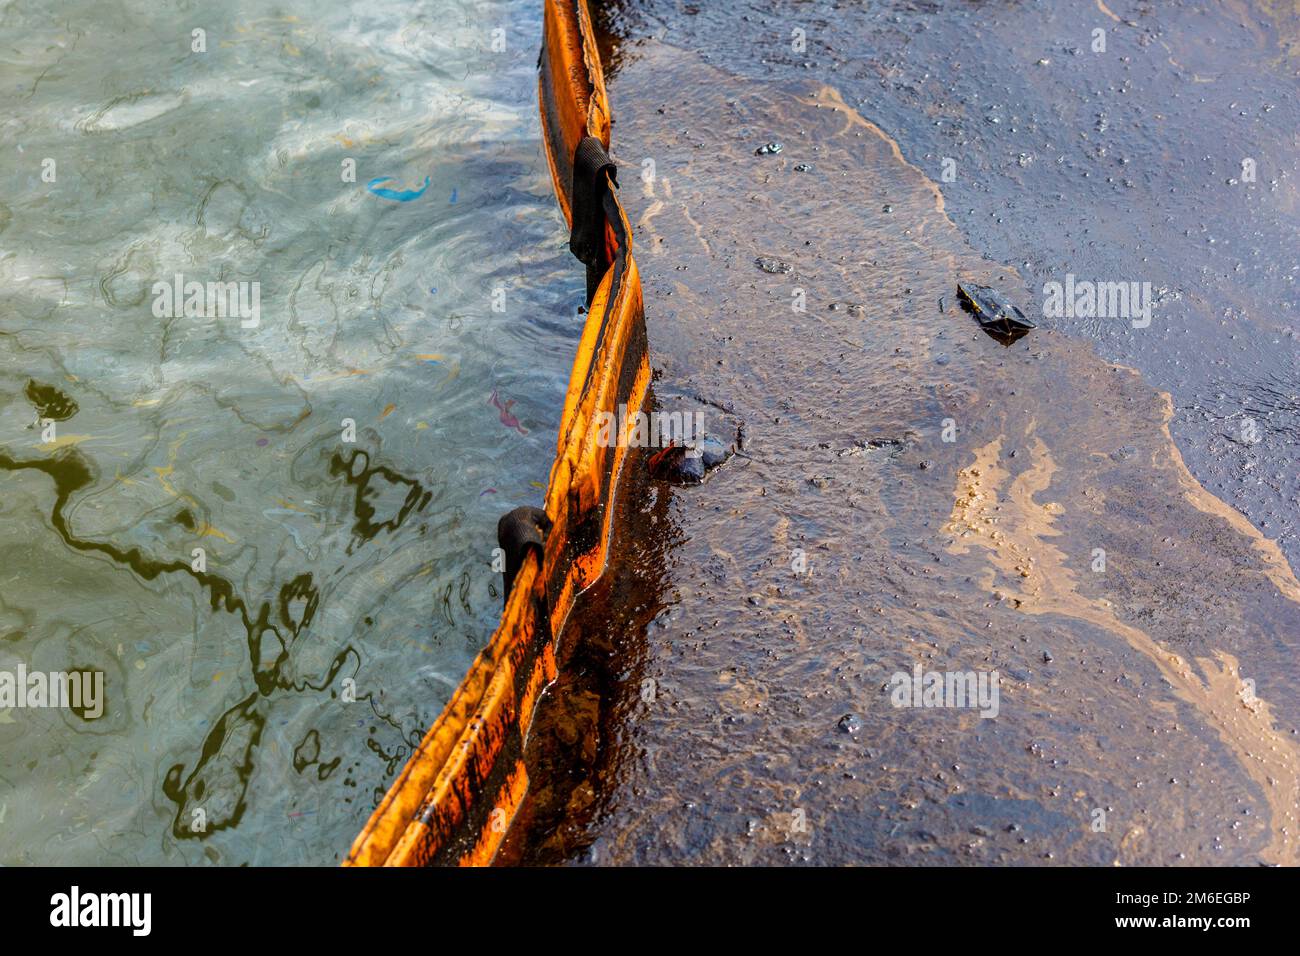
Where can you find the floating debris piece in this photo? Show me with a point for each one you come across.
(768, 149)
(507, 417)
(713, 453)
(996, 314)
(774, 266)
(397, 195)
(883, 443)
(677, 464)
(687, 464)
(851, 724)
(803, 168)
(863, 445)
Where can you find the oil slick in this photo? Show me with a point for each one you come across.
(1121, 689)
(1003, 517)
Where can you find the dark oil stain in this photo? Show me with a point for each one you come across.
(703, 681)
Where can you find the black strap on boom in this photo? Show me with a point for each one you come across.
(593, 171)
(517, 532)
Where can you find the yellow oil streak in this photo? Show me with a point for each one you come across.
(1015, 529)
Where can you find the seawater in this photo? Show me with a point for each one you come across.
(273, 538)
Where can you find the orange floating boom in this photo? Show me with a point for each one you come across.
(458, 793)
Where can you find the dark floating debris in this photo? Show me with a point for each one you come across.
(863, 445)
(768, 149)
(853, 308)
(803, 168)
(687, 464)
(851, 724)
(774, 266)
(997, 315)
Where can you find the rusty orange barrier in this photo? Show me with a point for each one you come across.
(459, 791)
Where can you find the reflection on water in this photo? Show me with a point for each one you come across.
(273, 537)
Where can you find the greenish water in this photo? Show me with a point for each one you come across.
(329, 567)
